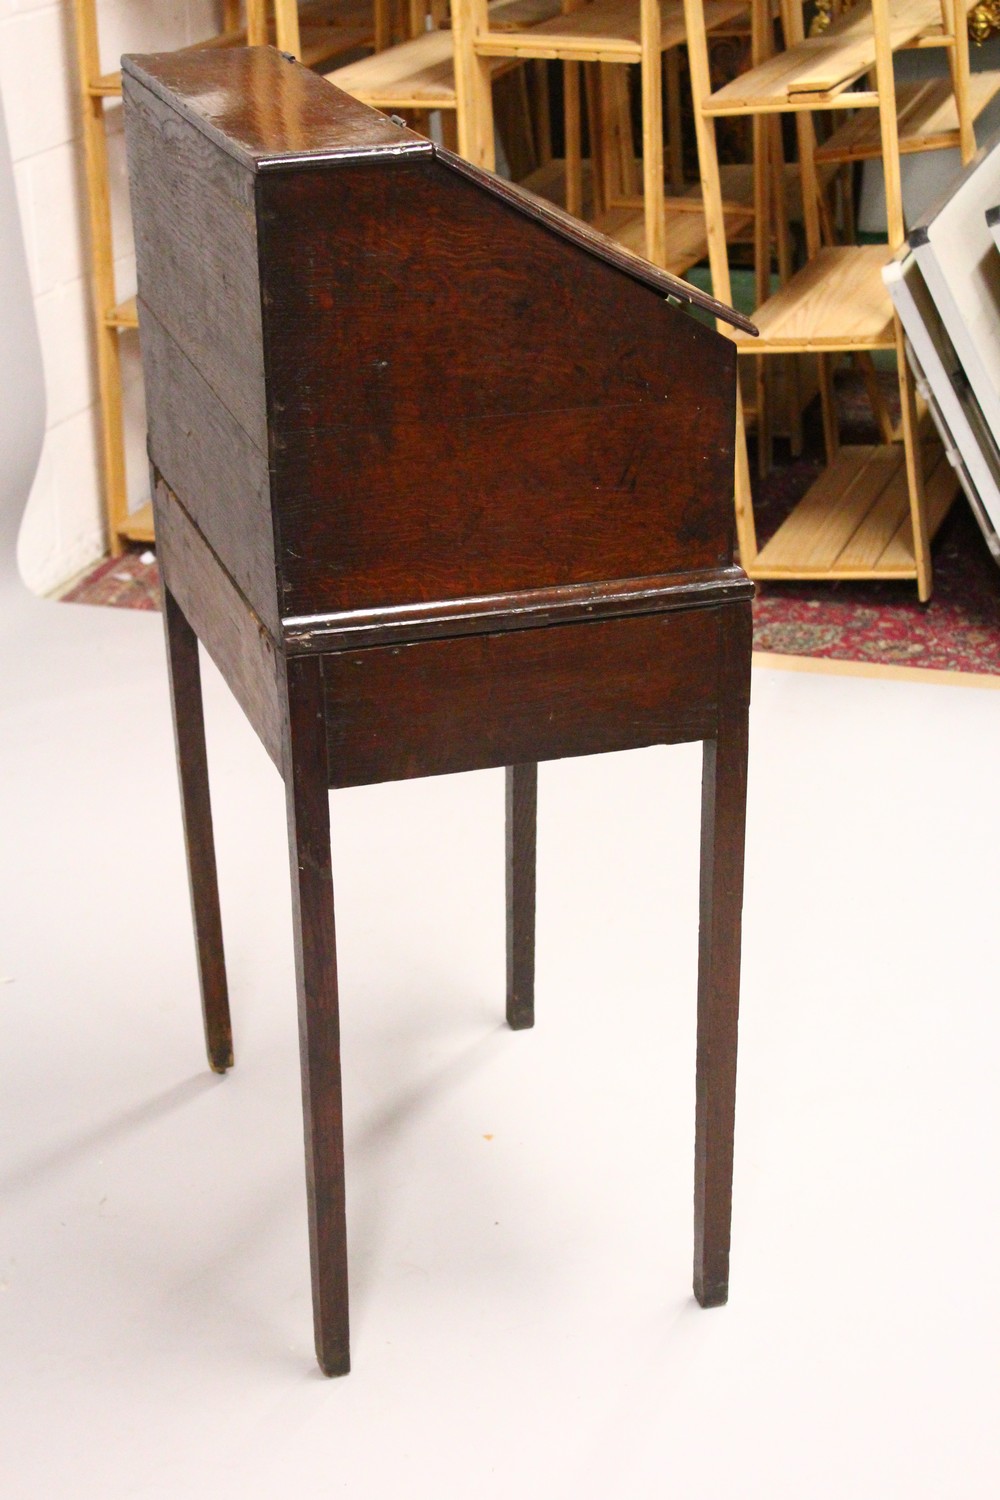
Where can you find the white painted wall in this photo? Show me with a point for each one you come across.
(63, 527)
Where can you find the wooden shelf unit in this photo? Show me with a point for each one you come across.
(927, 116)
(416, 74)
(321, 29)
(815, 71)
(836, 303)
(600, 31)
(855, 522)
(685, 241)
(420, 73)
(601, 36)
(873, 511)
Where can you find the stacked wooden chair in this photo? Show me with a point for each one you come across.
(422, 75)
(873, 511)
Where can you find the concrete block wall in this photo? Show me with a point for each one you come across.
(63, 528)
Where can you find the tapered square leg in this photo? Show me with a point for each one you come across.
(522, 805)
(307, 795)
(192, 768)
(722, 846)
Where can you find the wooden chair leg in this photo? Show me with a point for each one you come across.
(675, 125)
(449, 129)
(286, 27)
(256, 23)
(572, 134)
(915, 456)
(651, 84)
(541, 111)
(722, 840)
(522, 805)
(883, 417)
(600, 180)
(192, 769)
(828, 405)
(306, 784)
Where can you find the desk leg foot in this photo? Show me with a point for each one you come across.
(192, 770)
(306, 789)
(722, 845)
(522, 804)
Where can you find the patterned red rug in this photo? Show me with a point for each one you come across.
(879, 623)
(131, 581)
(957, 631)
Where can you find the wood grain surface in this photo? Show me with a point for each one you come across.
(319, 1009)
(196, 809)
(723, 826)
(205, 455)
(237, 640)
(254, 105)
(460, 406)
(194, 212)
(521, 837)
(524, 695)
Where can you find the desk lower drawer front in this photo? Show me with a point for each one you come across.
(522, 695)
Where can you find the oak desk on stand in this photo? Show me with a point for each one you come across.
(441, 481)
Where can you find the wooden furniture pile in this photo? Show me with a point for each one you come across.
(874, 510)
(408, 430)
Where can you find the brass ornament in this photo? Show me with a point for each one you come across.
(822, 18)
(984, 19)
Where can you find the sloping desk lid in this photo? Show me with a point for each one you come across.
(586, 238)
(270, 113)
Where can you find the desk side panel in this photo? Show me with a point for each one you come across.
(464, 403)
(193, 210)
(495, 700)
(206, 456)
(234, 636)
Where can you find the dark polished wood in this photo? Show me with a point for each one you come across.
(520, 695)
(308, 803)
(222, 618)
(418, 396)
(441, 481)
(723, 823)
(521, 835)
(196, 806)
